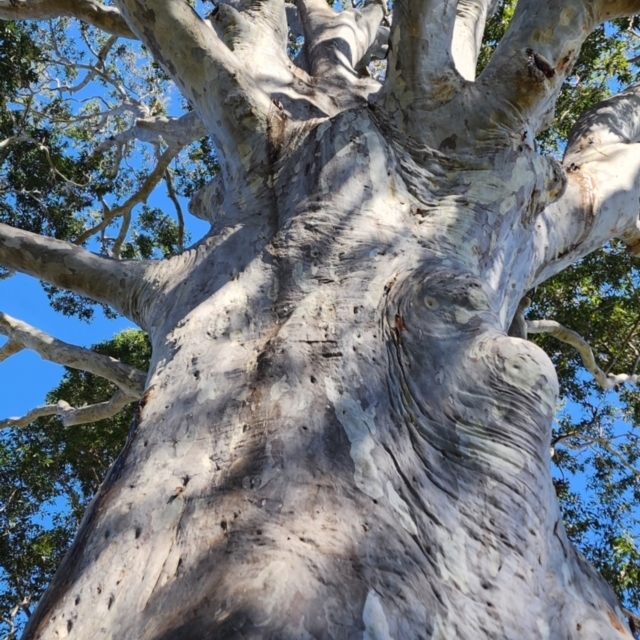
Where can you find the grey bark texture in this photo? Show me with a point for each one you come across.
(339, 439)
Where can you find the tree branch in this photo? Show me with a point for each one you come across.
(337, 42)
(207, 201)
(254, 29)
(129, 380)
(9, 349)
(233, 108)
(174, 132)
(62, 264)
(421, 73)
(568, 336)
(602, 161)
(471, 18)
(94, 13)
(70, 415)
(141, 195)
(589, 442)
(517, 90)
(173, 196)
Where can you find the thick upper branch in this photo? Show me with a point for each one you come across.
(94, 13)
(336, 42)
(471, 18)
(421, 73)
(601, 200)
(233, 108)
(59, 263)
(518, 89)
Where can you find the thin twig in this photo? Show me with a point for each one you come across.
(141, 195)
(604, 380)
(168, 178)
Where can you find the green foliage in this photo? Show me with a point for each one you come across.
(48, 474)
(70, 93)
(597, 436)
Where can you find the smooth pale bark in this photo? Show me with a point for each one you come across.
(337, 41)
(121, 284)
(471, 17)
(338, 437)
(174, 132)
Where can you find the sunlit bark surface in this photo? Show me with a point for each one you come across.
(339, 439)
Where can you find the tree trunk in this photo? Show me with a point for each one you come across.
(339, 439)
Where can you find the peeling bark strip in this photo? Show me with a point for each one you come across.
(342, 441)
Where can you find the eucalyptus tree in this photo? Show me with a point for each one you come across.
(344, 431)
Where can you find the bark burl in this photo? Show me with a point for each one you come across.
(338, 437)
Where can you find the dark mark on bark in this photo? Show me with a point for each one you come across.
(198, 54)
(555, 533)
(538, 64)
(449, 144)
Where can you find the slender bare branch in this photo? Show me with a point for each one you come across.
(94, 13)
(141, 195)
(471, 17)
(168, 178)
(588, 442)
(174, 132)
(605, 381)
(23, 336)
(65, 265)
(70, 415)
(122, 234)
